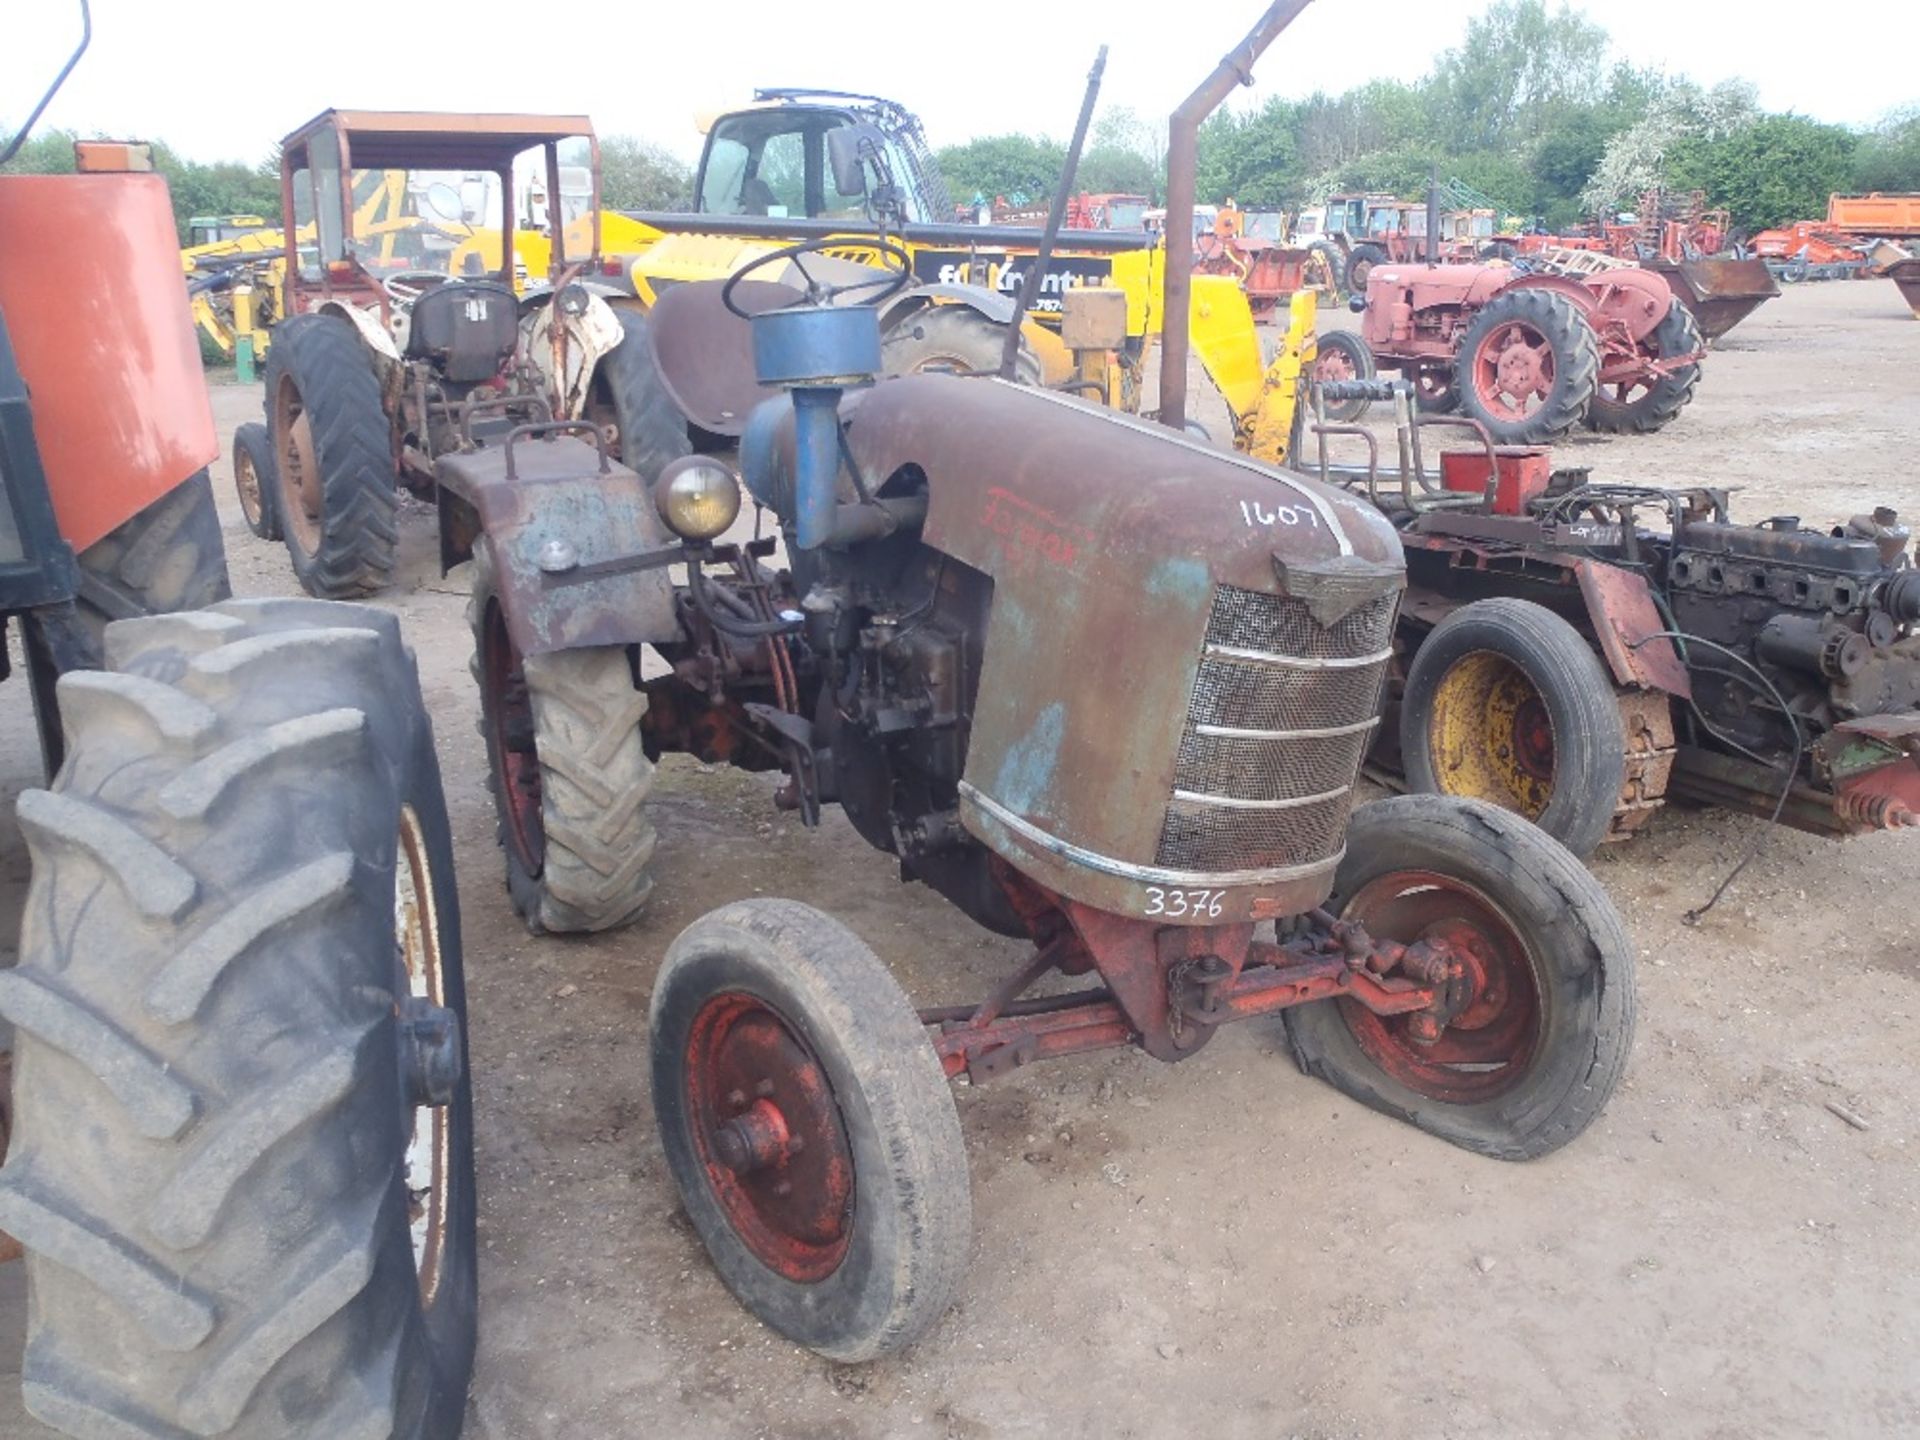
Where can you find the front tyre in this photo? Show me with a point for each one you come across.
(242, 1164)
(809, 1128)
(1544, 1041)
(1528, 366)
(255, 478)
(1343, 355)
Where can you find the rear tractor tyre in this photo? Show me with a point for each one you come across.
(1528, 366)
(1433, 391)
(1641, 407)
(954, 338)
(168, 557)
(650, 432)
(255, 478)
(242, 1161)
(568, 771)
(1505, 702)
(1323, 269)
(1544, 1039)
(333, 453)
(1343, 355)
(810, 1129)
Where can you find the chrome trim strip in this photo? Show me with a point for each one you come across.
(1232, 802)
(1297, 662)
(1328, 732)
(1143, 874)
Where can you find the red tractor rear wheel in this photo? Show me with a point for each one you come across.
(1528, 366)
(1643, 405)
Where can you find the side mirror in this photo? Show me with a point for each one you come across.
(843, 157)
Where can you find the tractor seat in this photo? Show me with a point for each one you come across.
(464, 328)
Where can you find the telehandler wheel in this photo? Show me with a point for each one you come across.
(810, 1128)
(1360, 262)
(1343, 355)
(1527, 367)
(1545, 1037)
(168, 557)
(955, 338)
(333, 451)
(567, 769)
(627, 394)
(242, 1163)
(255, 478)
(1506, 702)
(1639, 407)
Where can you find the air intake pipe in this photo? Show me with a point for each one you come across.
(815, 353)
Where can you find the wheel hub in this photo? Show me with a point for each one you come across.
(770, 1137)
(1514, 369)
(430, 1051)
(1492, 735)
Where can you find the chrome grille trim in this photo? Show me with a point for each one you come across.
(1195, 797)
(1297, 662)
(1324, 732)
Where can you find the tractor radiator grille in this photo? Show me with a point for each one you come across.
(1282, 712)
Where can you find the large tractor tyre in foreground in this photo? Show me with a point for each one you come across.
(333, 450)
(1639, 407)
(255, 478)
(1530, 1063)
(568, 771)
(810, 1128)
(1343, 355)
(1528, 366)
(242, 1159)
(1360, 262)
(168, 557)
(1505, 702)
(650, 431)
(953, 338)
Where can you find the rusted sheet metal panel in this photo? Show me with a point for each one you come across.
(1105, 538)
(1623, 613)
(1906, 275)
(704, 352)
(560, 494)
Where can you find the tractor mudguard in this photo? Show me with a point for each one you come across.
(549, 506)
(565, 349)
(372, 333)
(1620, 607)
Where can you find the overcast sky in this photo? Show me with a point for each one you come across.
(221, 81)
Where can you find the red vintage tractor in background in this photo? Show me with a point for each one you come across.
(1532, 355)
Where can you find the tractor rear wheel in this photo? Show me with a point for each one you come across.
(1360, 262)
(1433, 391)
(1545, 1037)
(1506, 702)
(1638, 407)
(809, 1128)
(168, 557)
(650, 432)
(569, 775)
(242, 1160)
(1528, 366)
(954, 338)
(255, 477)
(333, 452)
(1343, 355)
(1322, 270)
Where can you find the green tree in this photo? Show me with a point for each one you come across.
(1889, 154)
(1027, 166)
(1252, 156)
(1519, 66)
(1778, 169)
(48, 153)
(635, 175)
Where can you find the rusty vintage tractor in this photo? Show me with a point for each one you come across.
(1578, 652)
(1531, 356)
(241, 1153)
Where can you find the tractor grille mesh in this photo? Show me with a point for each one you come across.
(1277, 689)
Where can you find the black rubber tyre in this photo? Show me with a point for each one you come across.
(1324, 268)
(212, 1135)
(955, 338)
(650, 431)
(168, 557)
(1656, 404)
(1434, 392)
(1506, 702)
(1497, 250)
(1360, 262)
(1343, 355)
(567, 770)
(1571, 950)
(901, 1235)
(255, 479)
(1553, 322)
(333, 452)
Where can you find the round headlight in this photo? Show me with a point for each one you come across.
(698, 497)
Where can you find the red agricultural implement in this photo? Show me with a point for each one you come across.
(1250, 246)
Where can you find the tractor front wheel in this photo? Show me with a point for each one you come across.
(809, 1128)
(332, 449)
(255, 477)
(1548, 1023)
(1528, 366)
(1641, 406)
(627, 396)
(1343, 355)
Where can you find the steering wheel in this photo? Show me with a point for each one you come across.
(407, 286)
(896, 271)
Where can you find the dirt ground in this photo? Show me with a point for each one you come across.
(1227, 1248)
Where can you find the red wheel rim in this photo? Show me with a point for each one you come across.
(1513, 370)
(1488, 1047)
(507, 712)
(1533, 738)
(1334, 365)
(770, 1137)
